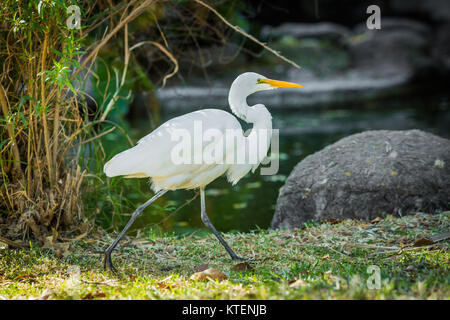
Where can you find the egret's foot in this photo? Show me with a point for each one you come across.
(108, 265)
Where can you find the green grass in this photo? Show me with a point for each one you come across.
(327, 261)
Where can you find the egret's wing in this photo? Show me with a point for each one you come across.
(152, 156)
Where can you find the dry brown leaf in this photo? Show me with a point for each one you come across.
(132, 277)
(200, 268)
(90, 295)
(298, 283)
(376, 220)
(423, 242)
(326, 256)
(333, 221)
(210, 273)
(242, 266)
(162, 285)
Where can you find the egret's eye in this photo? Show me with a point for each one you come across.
(259, 81)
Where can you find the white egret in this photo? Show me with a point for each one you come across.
(152, 157)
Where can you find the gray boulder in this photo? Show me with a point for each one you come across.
(366, 175)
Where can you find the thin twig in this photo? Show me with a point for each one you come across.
(94, 138)
(14, 244)
(134, 14)
(245, 34)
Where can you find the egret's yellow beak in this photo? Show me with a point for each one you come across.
(280, 84)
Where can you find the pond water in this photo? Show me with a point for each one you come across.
(251, 203)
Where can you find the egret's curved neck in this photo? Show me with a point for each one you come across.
(258, 115)
(237, 98)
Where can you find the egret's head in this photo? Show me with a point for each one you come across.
(248, 83)
(251, 82)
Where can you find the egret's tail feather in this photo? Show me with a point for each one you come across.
(127, 163)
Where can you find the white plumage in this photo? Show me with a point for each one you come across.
(153, 156)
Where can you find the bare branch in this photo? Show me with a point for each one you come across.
(245, 34)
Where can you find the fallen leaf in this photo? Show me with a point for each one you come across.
(298, 283)
(132, 277)
(376, 220)
(210, 273)
(423, 242)
(201, 268)
(242, 266)
(162, 285)
(326, 256)
(333, 221)
(90, 295)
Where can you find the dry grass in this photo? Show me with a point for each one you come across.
(40, 188)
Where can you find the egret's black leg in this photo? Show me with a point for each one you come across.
(107, 262)
(208, 223)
